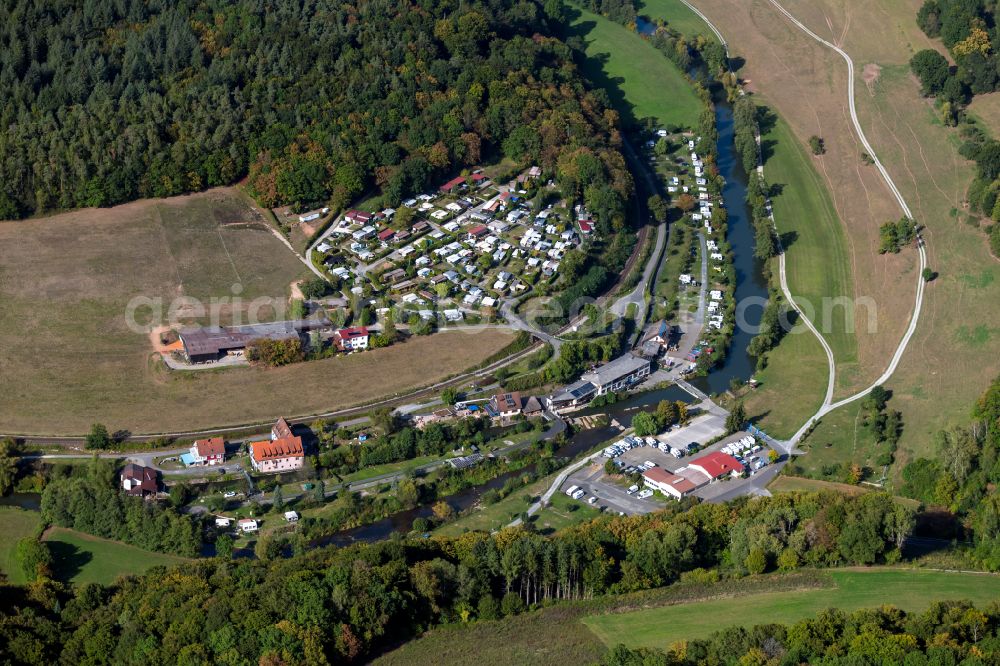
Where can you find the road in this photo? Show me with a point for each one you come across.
(828, 404)
(638, 295)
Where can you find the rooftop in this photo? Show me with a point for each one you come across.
(283, 447)
(613, 370)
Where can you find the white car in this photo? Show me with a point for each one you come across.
(229, 493)
(578, 494)
(592, 500)
(632, 489)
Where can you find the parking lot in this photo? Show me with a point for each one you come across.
(612, 494)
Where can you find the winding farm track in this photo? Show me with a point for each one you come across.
(828, 404)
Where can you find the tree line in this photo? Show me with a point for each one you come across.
(948, 632)
(330, 605)
(968, 29)
(107, 101)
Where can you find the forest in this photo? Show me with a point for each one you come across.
(330, 605)
(949, 632)
(111, 100)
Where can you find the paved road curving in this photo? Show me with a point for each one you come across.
(828, 404)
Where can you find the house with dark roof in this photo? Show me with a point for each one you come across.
(505, 405)
(139, 480)
(277, 455)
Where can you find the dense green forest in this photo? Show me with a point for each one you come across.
(109, 100)
(969, 30)
(946, 633)
(332, 605)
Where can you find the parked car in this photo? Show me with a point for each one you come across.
(578, 494)
(229, 493)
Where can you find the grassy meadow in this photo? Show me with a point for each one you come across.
(640, 81)
(81, 558)
(911, 590)
(677, 16)
(15, 524)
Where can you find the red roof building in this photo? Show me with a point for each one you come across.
(352, 339)
(586, 226)
(453, 183)
(386, 235)
(717, 465)
(478, 230)
(210, 451)
(278, 455)
(281, 429)
(358, 217)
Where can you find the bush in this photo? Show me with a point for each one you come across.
(512, 604)
(816, 145)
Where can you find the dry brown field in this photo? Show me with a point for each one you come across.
(68, 358)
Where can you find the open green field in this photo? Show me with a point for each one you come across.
(677, 16)
(81, 558)
(640, 81)
(818, 270)
(911, 590)
(70, 357)
(15, 524)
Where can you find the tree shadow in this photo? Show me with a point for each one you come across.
(788, 239)
(775, 190)
(766, 119)
(737, 63)
(68, 560)
(757, 418)
(767, 149)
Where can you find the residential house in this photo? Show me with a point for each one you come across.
(210, 451)
(358, 217)
(277, 455)
(352, 339)
(505, 405)
(139, 480)
(247, 524)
